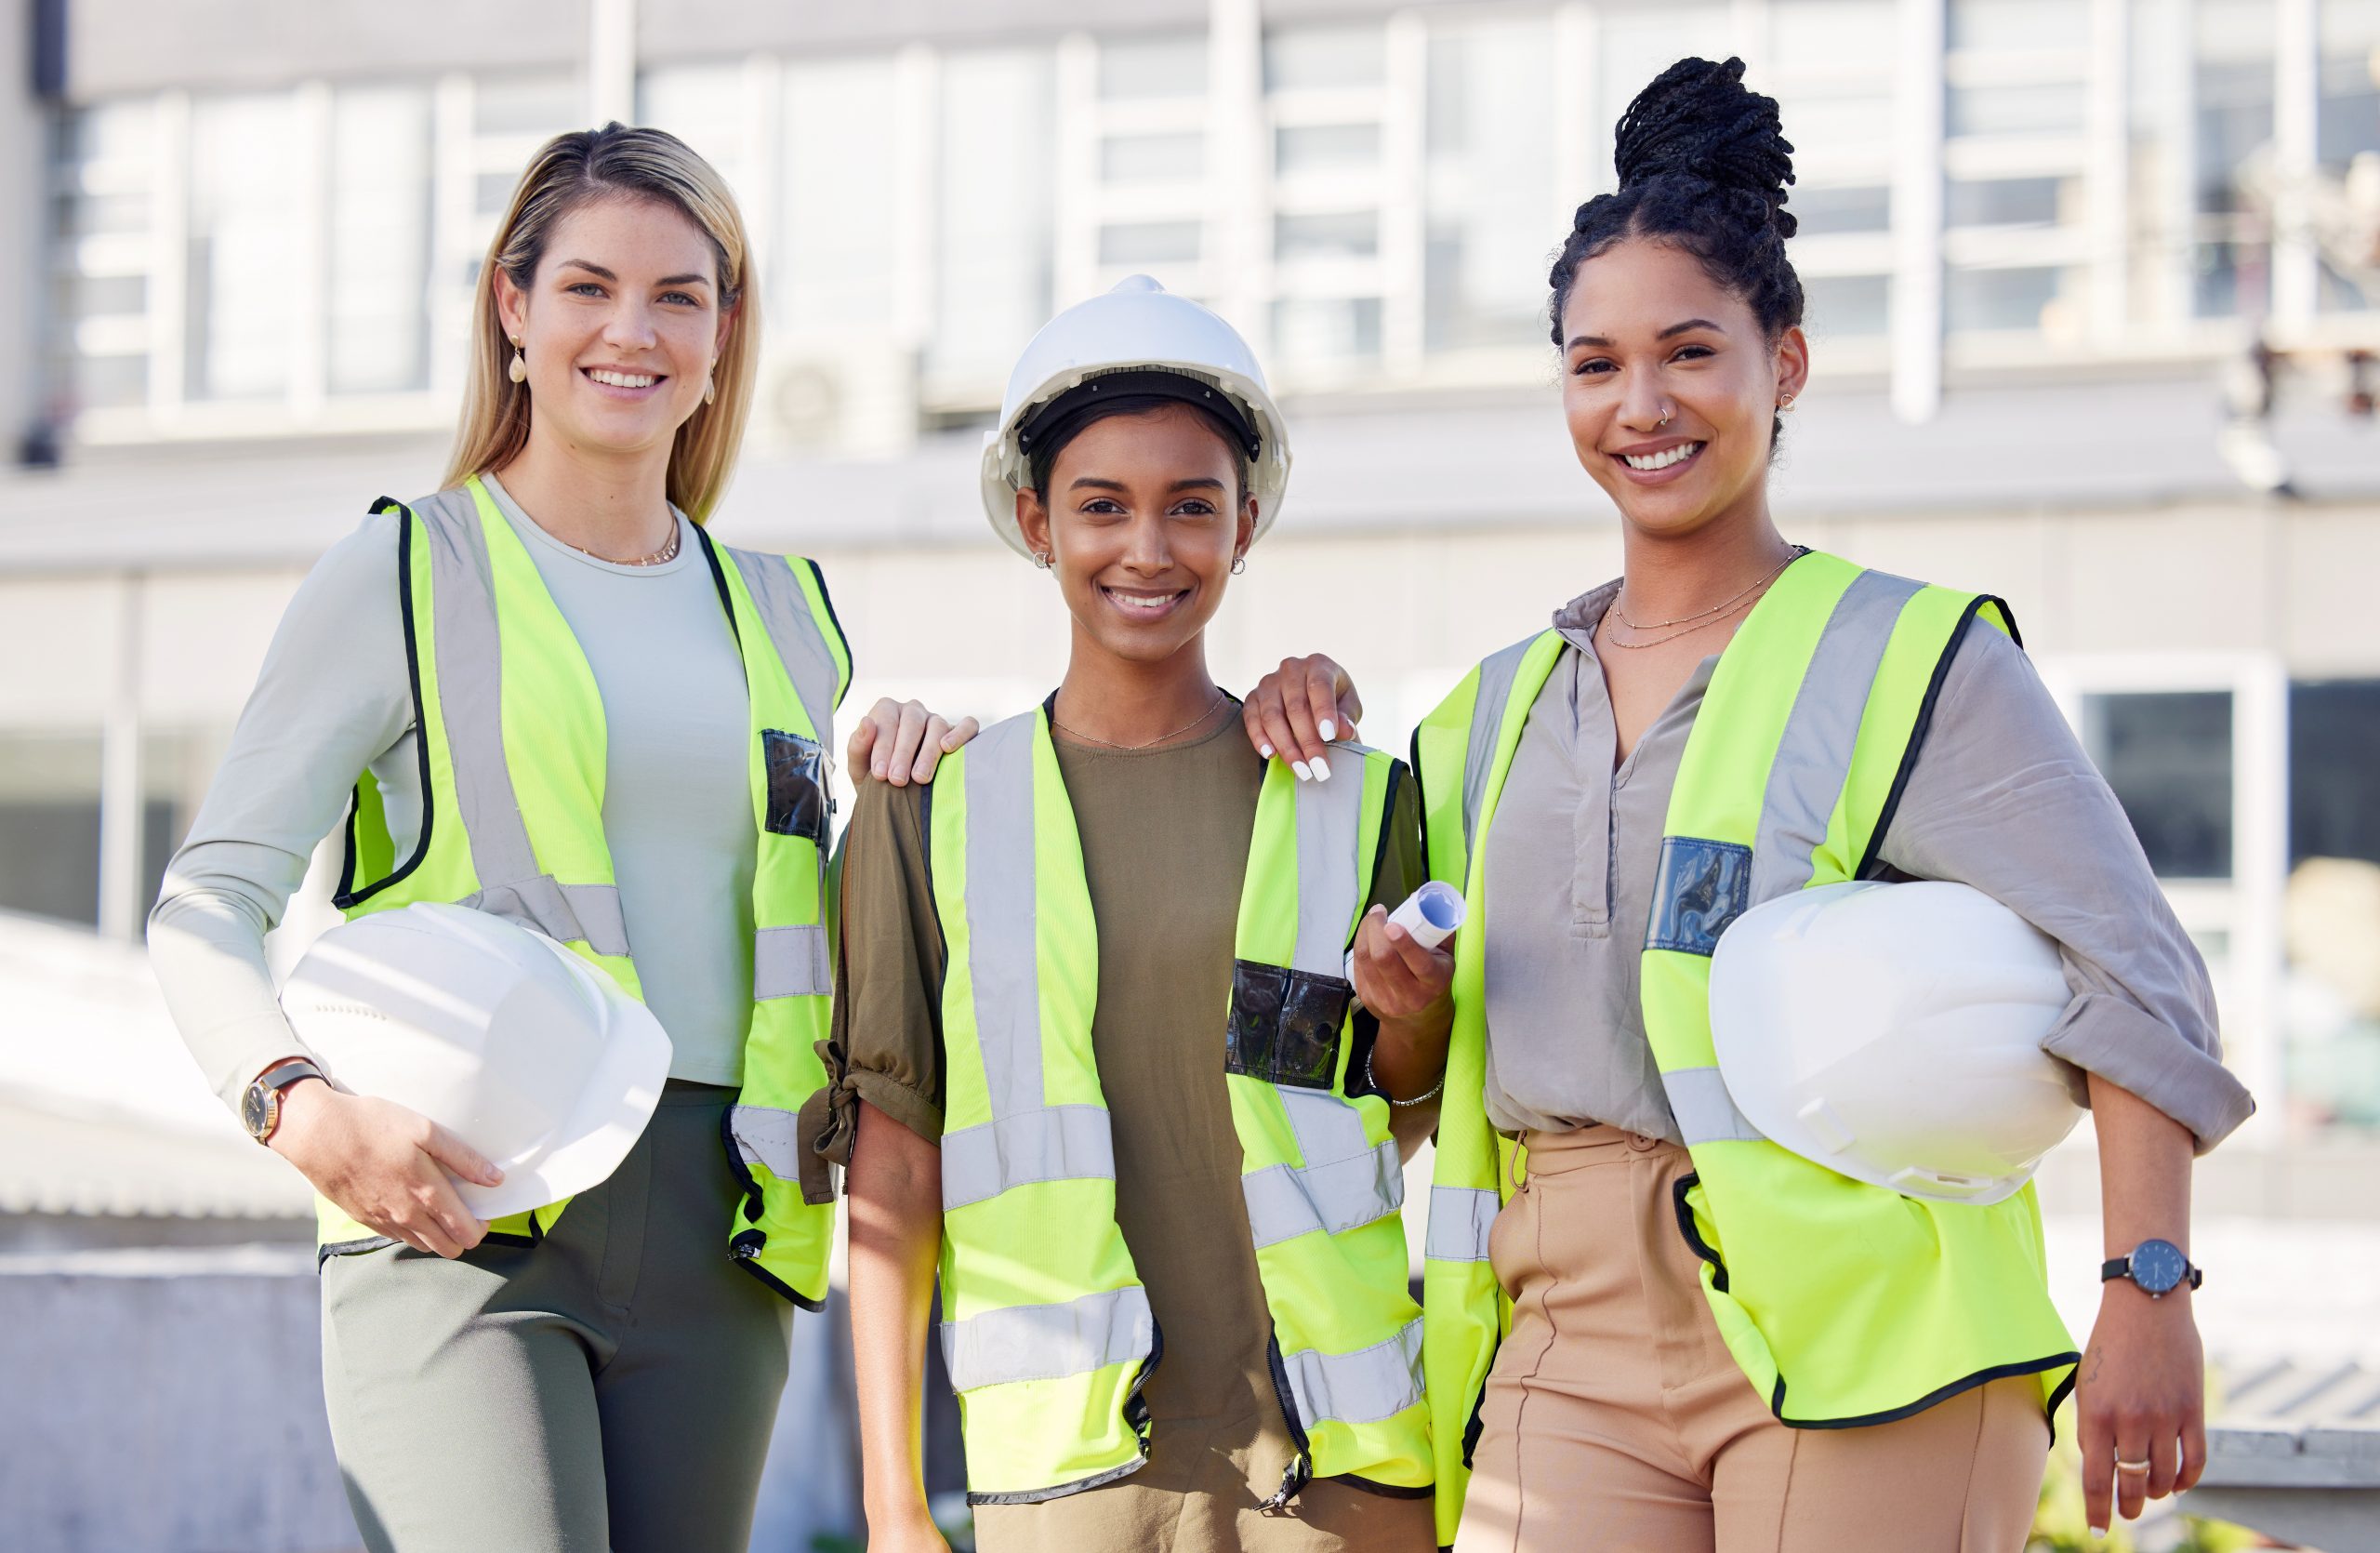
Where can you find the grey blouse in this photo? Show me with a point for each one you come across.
(2002, 797)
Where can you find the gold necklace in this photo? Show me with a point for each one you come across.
(666, 553)
(1094, 739)
(1663, 625)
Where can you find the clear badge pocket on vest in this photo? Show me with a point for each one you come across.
(1285, 1025)
(799, 805)
(1699, 889)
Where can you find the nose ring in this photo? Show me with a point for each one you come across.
(1666, 412)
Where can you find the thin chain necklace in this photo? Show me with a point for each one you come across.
(1094, 739)
(666, 553)
(1702, 619)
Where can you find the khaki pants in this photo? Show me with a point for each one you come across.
(1615, 1417)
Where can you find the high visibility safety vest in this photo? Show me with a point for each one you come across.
(1845, 1304)
(512, 745)
(1047, 1333)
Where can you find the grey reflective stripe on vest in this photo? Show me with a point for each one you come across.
(1460, 1219)
(1061, 1143)
(1003, 960)
(1346, 1181)
(1705, 1111)
(1049, 1342)
(1496, 673)
(1360, 1388)
(1814, 756)
(1329, 815)
(792, 962)
(470, 702)
(767, 1136)
(793, 631)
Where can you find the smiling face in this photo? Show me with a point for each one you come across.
(1647, 331)
(620, 326)
(1142, 520)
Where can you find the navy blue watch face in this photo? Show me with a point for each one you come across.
(2159, 1266)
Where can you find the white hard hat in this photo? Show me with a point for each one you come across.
(1891, 1033)
(525, 1051)
(1161, 344)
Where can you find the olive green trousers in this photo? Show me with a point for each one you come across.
(612, 1387)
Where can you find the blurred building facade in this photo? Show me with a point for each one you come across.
(2043, 240)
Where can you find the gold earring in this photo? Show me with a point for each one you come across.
(519, 370)
(1785, 405)
(710, 390)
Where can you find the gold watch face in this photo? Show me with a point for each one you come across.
(258, 1110)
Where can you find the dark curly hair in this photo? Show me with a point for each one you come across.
(1703, 164)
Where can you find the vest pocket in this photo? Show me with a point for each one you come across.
(798, 801)
(1285, 1025)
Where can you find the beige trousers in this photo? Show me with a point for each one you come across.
(1616, 1419)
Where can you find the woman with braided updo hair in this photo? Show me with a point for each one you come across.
(1650, 1326)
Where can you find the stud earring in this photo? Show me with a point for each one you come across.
(1041, 559)
(1238, 565)
(1785, 405)
(519, 370)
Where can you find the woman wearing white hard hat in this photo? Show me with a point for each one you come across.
(546, 694)
(1096, 1058)
(1771, 1278)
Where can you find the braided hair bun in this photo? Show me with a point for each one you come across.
(1703, 164)
(1699, 121)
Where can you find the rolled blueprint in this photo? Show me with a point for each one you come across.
(1430, 914)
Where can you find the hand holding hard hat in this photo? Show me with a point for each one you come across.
(1892, 1033)
(523, 1049)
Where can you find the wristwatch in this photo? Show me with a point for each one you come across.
(2158, 1266)
(261, 1107)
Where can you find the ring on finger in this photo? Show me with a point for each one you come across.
(2134, 1469)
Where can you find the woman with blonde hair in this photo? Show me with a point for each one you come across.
(551, 646)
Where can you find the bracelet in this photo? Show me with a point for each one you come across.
(1373, 1084)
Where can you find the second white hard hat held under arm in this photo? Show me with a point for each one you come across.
(521, 1048)
(1134, 340)
(1893, 1033)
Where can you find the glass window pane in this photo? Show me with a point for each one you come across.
(1990, 300)
(1153, 158)
(1999, 202)
(1326, 331)
(1133, 69)
(1846, 306)
(49, 825)
(1149, 243)
(2050, 108)
(1835, 130)
(379, 214)
(997, 166)
(2233, 93)
(539, 105)
(2168, 757)
(1489, 183)
(1322, 147)
(2331, 916)
(1821, 211)
(2334, 771)
(2012, 26)
(836, 275)
(1299, 58)
(1830, 35)
(242, 231)
(1338, 235)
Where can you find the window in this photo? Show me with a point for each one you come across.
(1328, 102)
(994, 216)
(1137, 243)
(379, 240)
(1846, 306)
(1169, 158)
(2348, 126)
(2234, 87)
(49, 825)
(245, 234)
(1489, 182)
(1306, 58)
(837, 275)
(1138, 68)
(2334, 771)
(2332, 911)
(102, 177)
(2167, 754)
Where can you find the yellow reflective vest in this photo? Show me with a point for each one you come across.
(510, 738)
(1843, 1303)
(1048, 1334)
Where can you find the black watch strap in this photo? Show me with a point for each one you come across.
(2121, 1266)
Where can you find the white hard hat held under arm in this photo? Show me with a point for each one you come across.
(521, 1048)
(1145, 339)
(1893, 1033)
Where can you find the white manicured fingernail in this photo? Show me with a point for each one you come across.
(1321, 769)
(1266, 751)
(1330, 730)
(1303, 775)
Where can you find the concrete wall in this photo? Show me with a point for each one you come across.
(171, 1401)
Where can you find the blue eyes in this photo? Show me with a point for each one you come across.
(589, 289)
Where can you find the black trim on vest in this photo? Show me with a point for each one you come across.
(1420, 800)
(1941, 1394)
(841, 636)
(1477, 1424)
(1694, 1241)
(1384, 1491)
(1388, 827)
(719, 581)
(1136, 1414)
(349, 1248)
(744, 1249)
(1925, 723)
(348, 896)
(1300, 1471)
